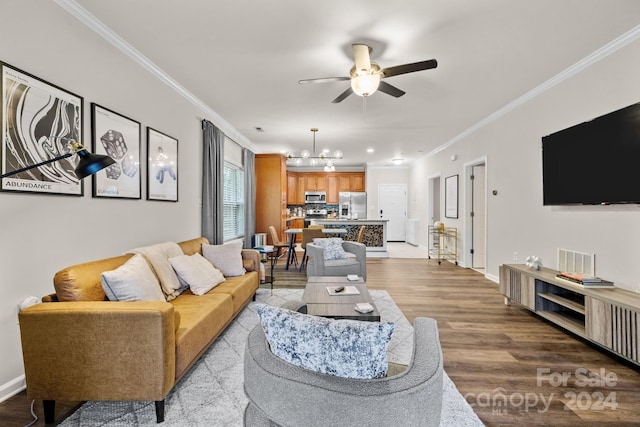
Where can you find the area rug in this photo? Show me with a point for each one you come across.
(211, 393)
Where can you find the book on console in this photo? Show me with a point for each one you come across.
(585, 280)
(346, 290)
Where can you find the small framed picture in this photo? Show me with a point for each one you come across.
(40, 121)
(162, 166)
(451, 196)
(118, 137)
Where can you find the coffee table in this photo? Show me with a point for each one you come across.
(320, 303)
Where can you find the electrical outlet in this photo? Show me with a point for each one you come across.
(515, 256)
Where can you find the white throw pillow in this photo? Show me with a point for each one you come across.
(345, 348)
(227, 258)
(132, 281)
(197, 273)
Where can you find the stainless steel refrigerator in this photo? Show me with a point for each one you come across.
(353, 205)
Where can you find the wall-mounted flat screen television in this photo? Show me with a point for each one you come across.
(595, 162)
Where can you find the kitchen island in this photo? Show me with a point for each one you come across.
(375, 233)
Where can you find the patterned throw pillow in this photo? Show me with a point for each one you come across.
(345, 348)
(332, 248)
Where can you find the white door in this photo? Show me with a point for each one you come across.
(434, 199)
(392, 206)
(478, 220)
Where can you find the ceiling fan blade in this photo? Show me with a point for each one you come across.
(390, 90)
(409, 68)
(324, 80)
(361, 56)
(342, 96)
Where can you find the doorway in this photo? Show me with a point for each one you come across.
(434, 199)
(476, 230)
(392, 206)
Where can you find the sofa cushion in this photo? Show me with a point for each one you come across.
(196, 272)
(345, 348)
(227, 258)
(132, 281)
(241, 288)
(332, 248)
(202, 319)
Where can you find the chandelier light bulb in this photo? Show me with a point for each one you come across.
(305, 154)
(337, 154)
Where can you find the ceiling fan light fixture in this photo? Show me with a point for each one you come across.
(365, 84)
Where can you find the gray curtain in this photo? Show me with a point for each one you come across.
(249, 197)
(212, 183)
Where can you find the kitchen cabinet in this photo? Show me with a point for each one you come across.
(315, 182)
(332, 190)
(351, 181)
(271, 193)
(295, 189)
(330, 182)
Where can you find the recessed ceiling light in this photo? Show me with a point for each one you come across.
(397, 160)
(370, 150)
(259, 129)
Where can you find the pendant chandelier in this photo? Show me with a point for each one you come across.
(313, 159)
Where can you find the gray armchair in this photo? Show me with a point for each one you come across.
(281, 394)
(318, 266)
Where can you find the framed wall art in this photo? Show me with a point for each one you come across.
(118, 137)
(451, 196)
(162, 166)
(39, 122)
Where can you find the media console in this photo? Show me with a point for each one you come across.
(608, 317)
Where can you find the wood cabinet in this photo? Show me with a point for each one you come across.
(295, 193)
(271, 193)
(330, 182)
(315, 181)
(332, 190)
(606, 317)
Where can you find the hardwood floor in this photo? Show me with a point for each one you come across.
(507, 362)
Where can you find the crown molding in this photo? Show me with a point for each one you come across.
(601, 53)
(73, 8)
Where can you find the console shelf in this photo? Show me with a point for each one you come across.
(571, 305)
(608, 317)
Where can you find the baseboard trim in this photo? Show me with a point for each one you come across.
(13, 387)
(492, 277)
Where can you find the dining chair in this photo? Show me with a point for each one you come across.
(360, 234)
(308, 234)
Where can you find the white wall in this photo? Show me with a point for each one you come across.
(382, 175)
(42, 234)
(517, 220)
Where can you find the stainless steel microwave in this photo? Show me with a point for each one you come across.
(315, 197)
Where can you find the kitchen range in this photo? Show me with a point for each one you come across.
(314, 214)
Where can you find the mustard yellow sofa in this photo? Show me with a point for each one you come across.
(79, 346)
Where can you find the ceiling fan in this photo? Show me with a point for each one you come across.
(366, 76)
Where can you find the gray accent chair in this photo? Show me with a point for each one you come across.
(357, 264)
(282, 394)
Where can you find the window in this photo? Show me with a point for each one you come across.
(233, 202)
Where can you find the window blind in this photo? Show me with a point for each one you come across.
(233, 202)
